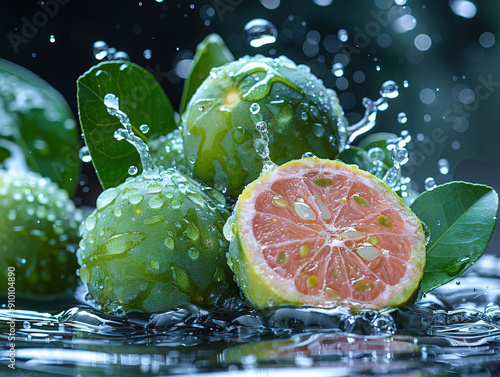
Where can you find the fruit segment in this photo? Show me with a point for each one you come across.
(325, 233)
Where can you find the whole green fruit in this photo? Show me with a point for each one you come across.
(38, 236)
(219, 123)
(154, 243)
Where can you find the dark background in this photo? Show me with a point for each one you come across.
(455, 65)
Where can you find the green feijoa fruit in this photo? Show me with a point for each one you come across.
(154, 243)
(168, 152)
(38, 236)
(219, 122)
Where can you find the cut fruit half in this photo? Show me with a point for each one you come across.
(320, 232)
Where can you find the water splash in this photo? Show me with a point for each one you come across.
(399, 158)
(261, 145)
(100, 49)
(112, 103)
(389, 90)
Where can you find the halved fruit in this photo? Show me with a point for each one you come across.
(320, 232)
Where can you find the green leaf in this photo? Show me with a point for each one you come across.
(461, 217)
(141, 98)
(380, 140)
(38, 119)
(357, 156)
(211, 52)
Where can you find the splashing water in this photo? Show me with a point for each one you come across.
(261, 145)
(335, 341)
(260, 32)
(149, 169)
(389, 90)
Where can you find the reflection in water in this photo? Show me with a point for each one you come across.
(453, 331)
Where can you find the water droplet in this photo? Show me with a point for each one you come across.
(444, 166)
(260, 32)
(429, 183)
(100, 49)
(338, 69)
(154, 220)
(84, 154)
(304, 211)
(402, 118)
(254, 108)
(122, 243)
(117, 211)
(389, 89)
(399, 156)
(406, 84)
(377, 68)
(304, 115)
(368, 253)
(121, 55)
(135, 198)
(106, 198)
(192, 232)
(132, 170)
(26, 325)
(154, 264)
(147, 54)
(376, 154)
(111, 102)
(154, 188)
(144, 128)
(52, 38)
(193, 253)
(12, 214)
(318, 129)
(192, 159)
(155, 203)
(169, 243)
(90, 222)
(343, 35)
